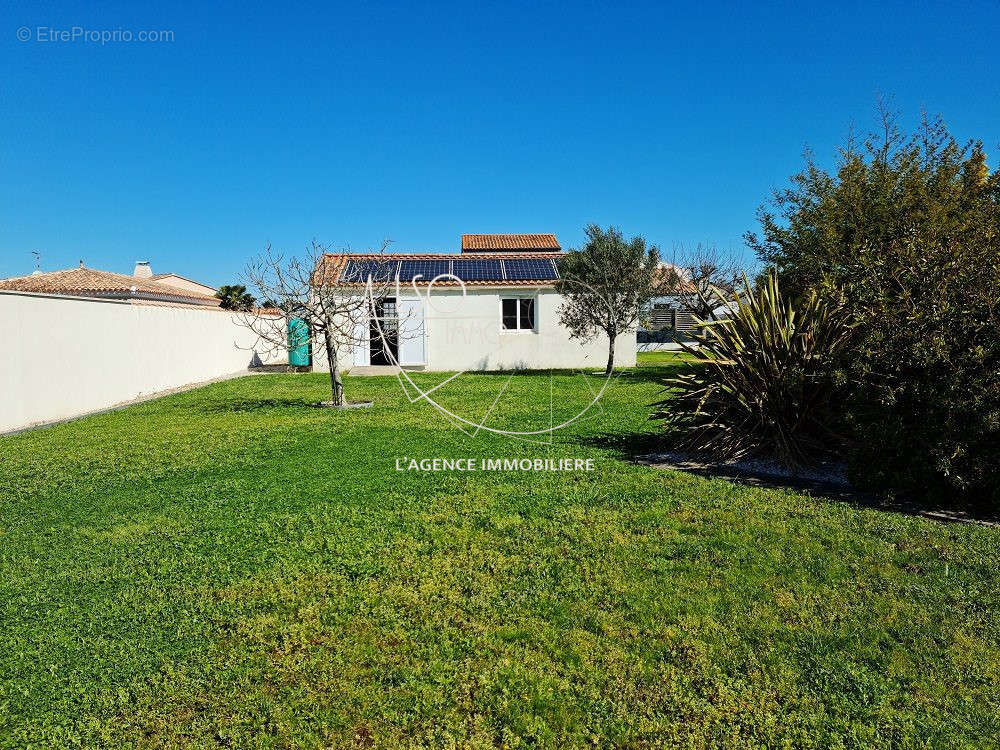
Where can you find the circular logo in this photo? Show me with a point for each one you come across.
(23, 34)
(558, 407)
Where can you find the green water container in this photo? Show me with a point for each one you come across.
(298, 342)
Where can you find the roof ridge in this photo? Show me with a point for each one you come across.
(91, 280)
(158, 276)
(509, 241)
(449, 255)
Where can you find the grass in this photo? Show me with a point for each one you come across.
(661, 358)
(231, 567)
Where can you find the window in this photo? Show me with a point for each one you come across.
(664, 317)
(518, 313)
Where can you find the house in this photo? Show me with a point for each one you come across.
(144, 271)
(668, 320)
(492, 306)
(90, 282)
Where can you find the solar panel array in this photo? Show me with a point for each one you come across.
(479, 269)
(533, 269)
(425, 269)
(358, 271)
(467, 269)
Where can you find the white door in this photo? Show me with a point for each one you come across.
(362, 345)
(411, 332)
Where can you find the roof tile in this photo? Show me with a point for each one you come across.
(91, 282)
(477, 243)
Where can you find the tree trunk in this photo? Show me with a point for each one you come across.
(611, 355)
(336, 384)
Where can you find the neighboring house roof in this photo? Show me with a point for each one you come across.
(333, 265)
(676, 279)
(479, 243)
(89, 282)
(678, 286)
(182, 282)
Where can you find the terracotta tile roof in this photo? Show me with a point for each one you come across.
(272, 311)
(159, 303)
(674, 278)
(89, 282)
(477, 243)
(159, 276)
(333, 265)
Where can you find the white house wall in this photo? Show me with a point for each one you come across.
(66, 356)
(187, 285)
(466, 334)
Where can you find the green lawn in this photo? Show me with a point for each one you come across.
(661, 358)
(229, 567)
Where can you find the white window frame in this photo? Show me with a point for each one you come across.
(519, 330)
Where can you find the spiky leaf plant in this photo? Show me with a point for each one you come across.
(761, 380)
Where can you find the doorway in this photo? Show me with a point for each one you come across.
(385, 342)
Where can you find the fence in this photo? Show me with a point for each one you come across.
(67, 356)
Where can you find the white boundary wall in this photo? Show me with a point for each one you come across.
(61, 357)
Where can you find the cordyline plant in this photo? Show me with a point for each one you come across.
(761, 382)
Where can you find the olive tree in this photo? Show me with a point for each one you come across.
(608, 285)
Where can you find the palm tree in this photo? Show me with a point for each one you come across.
(235, 297)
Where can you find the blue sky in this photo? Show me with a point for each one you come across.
(422, 121)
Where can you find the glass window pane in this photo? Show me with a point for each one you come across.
(509, 313)
(528, 314)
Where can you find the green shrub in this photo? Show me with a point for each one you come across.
(924, 404)
(761, 381)
(906, 236)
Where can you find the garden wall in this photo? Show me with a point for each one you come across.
(67, 356)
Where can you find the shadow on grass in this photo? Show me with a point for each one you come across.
(848, 495)
(625, 446)
(646, 374)
(651, 449)
(255, 404)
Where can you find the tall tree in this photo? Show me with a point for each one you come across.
(608, 285)
(906, 235)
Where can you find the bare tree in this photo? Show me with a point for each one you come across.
(695, 273)
(335, 310)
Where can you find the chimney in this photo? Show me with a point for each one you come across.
(142, 270)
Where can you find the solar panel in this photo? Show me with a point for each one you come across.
(426, 269)
(358, 271)
(533, 269)
(478, 270)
